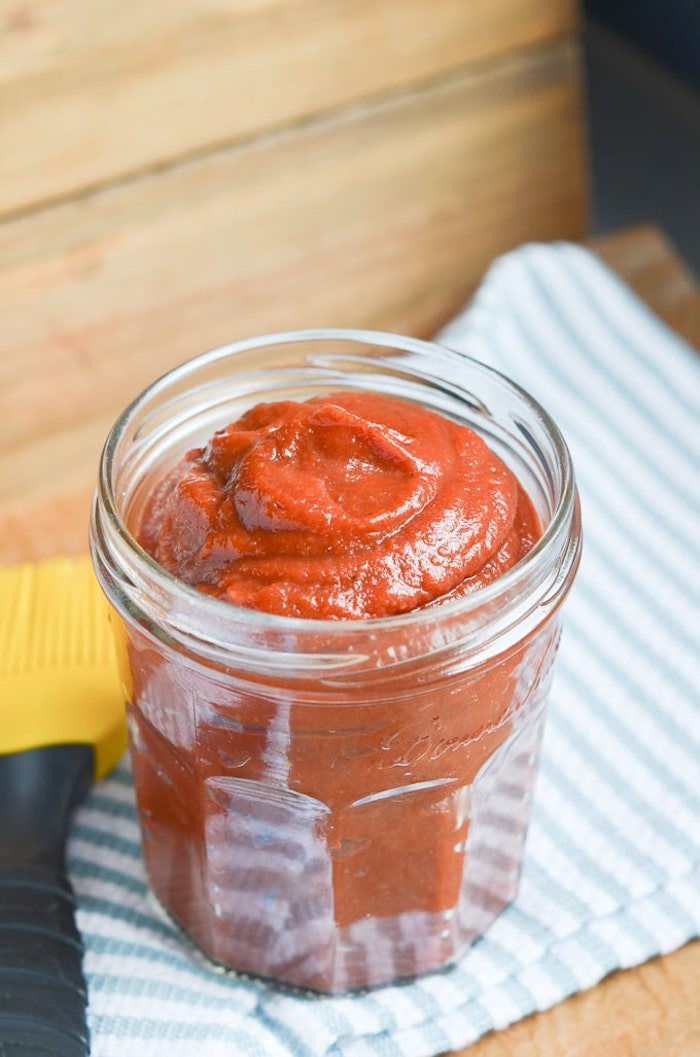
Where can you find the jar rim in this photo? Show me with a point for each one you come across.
(136, 558)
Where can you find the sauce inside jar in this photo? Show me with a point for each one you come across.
(337, 833)
(341, 507)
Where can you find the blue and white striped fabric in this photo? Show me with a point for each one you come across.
(612, 874)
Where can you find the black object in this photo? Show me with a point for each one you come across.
(43, 995)
(667, 30)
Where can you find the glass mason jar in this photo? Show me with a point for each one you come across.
(333, 804)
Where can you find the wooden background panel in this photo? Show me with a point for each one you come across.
(93, 91)
(386, 219)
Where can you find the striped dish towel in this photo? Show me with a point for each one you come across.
(612, 871)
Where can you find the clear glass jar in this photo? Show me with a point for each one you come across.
(333, 804)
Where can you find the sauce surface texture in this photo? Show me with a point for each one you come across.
(345, 506)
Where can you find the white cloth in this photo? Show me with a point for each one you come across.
(612, 870)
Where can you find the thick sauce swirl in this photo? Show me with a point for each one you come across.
(349, 505)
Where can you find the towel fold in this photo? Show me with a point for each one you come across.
(612, 868)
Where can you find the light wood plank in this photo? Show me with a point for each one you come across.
(387, 218)
(91, 92)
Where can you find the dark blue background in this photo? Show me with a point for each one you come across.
(642, 66)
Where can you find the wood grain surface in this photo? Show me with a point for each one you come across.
(47, 467)
(386, 218)
(93, 92)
